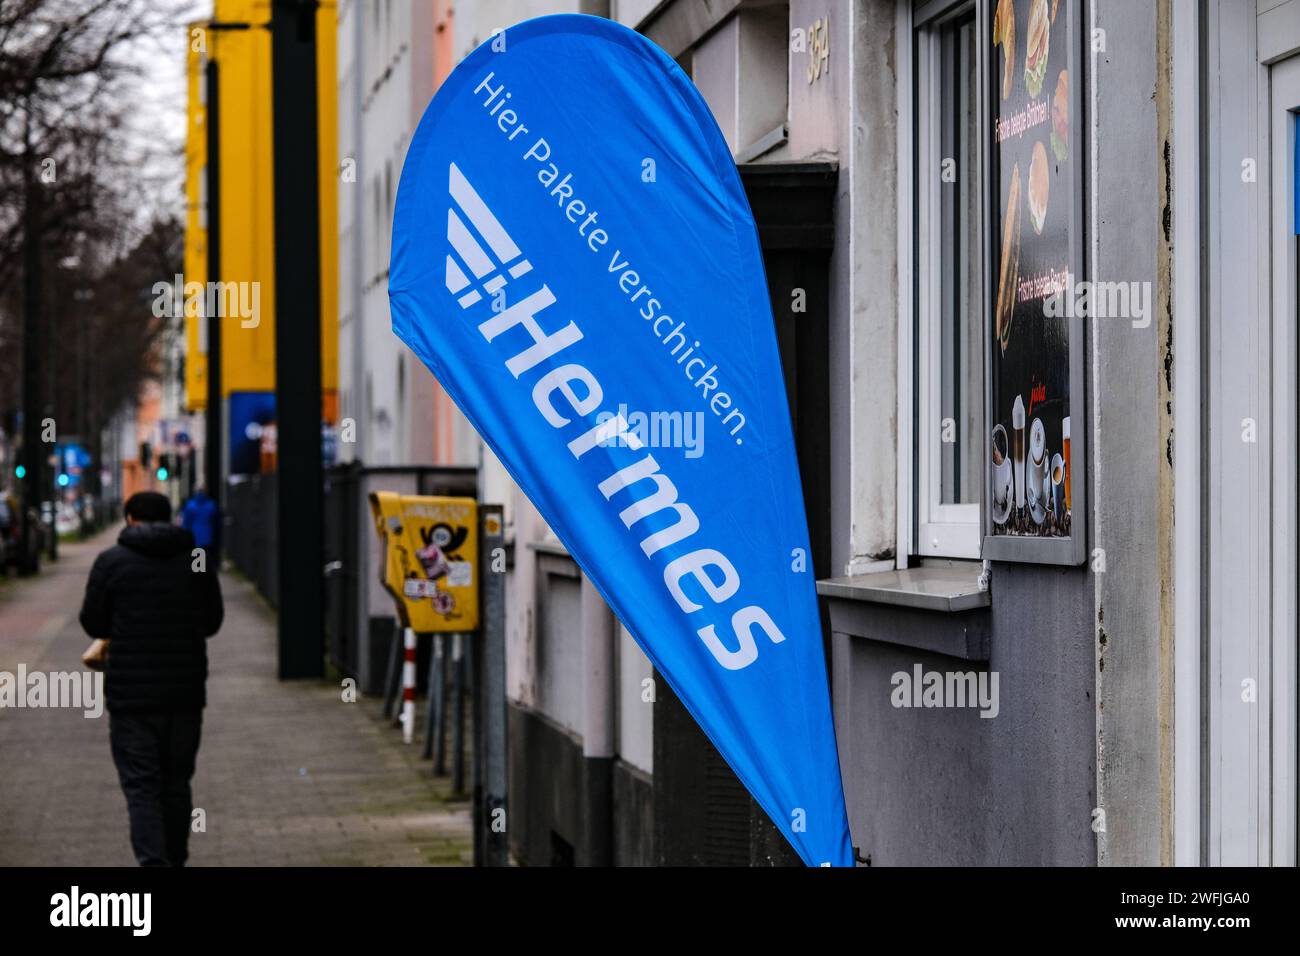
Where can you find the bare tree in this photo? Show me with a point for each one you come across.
(70, 233)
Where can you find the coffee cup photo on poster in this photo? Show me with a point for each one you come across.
(1002, 479)
(1036, 469)
(1056, 476)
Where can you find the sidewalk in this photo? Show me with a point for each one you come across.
(288, 774)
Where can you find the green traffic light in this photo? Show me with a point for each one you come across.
(20, 472)
(162, 474)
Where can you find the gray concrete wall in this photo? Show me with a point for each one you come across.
(1083, 735)
(713, 68)
(864, 324)
(945, 786)
(1132, 436)
(635, 715)
(559, 644)
(1082, 657)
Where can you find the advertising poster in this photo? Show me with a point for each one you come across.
(251, 414)
(1035, 185)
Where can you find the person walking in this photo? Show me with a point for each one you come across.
(152, 598)
(199, 517)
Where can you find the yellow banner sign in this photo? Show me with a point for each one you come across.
(431, 559)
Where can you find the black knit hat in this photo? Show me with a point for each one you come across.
(148, 506)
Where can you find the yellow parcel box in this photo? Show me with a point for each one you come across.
(431, 559)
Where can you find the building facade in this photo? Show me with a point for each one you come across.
(1033, 273)
(392, 57)
(1141, 667)
(229, 147)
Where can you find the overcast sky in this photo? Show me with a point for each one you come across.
(157, 119)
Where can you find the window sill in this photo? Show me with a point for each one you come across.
(948, 586)
(547, 546)
(937, 608)
(553, 558)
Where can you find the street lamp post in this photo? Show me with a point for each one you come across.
(212, 418)
(299, 482)
(213, 440)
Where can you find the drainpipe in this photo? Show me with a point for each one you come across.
(597, 632)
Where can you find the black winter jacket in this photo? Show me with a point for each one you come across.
(145, 598)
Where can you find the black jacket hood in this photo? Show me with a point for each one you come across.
(156, 539)
(146, 596)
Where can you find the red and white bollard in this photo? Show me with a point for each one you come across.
(408, 687)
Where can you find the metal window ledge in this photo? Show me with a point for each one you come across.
(548, 546)
(937, 608)
(951, 586)
(553, 558)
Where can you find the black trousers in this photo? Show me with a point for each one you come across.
(155, 755)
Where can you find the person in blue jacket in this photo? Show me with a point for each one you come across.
(199, 518)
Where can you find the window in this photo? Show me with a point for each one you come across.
(948, 372)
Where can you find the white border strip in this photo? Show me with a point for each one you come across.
(904, 40)
(1188, 583)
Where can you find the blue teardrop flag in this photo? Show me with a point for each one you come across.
(575, 260)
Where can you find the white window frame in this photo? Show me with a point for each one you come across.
(1284, 118)
(1189, 264)
(940, 530)
(1249, 528)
